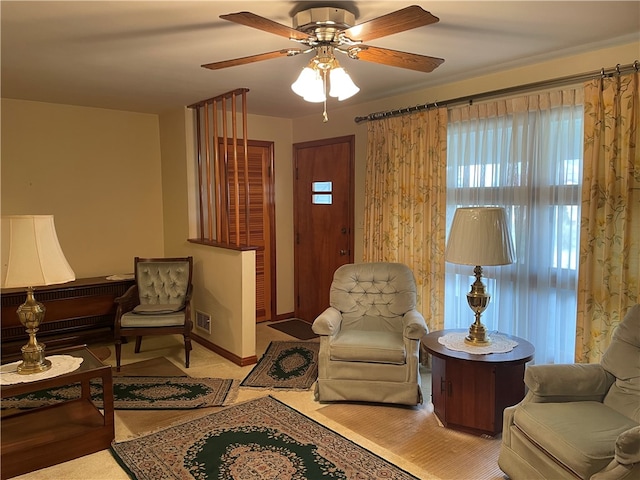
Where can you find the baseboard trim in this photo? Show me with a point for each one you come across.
(240, 361)
(285, 316)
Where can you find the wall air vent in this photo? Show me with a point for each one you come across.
(203, 321)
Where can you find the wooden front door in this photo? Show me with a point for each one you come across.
(261, 219)
(323, 219)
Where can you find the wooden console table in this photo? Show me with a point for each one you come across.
(40, 437)
(471, 391)
(78, 312)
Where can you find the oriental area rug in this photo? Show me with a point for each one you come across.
(292, 365)
(262, 438)
(137, 393)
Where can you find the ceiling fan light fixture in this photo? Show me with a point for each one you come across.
(342, 86)
(309, 85)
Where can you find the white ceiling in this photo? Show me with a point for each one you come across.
(145, 56)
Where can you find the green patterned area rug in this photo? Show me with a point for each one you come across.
(259, 439)
(291, 365)
(136, 393)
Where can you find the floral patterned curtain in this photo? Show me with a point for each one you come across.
(609, 272)
(405, 201)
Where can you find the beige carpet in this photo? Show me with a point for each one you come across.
(432, 440)
(414, 434)
(154, 367)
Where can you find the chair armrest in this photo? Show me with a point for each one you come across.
(628, 446)
(328, 322)
(127, 301)
(413, 325)
(567, 382)
(626, 461)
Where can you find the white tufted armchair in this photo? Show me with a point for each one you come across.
(158, 304)
(370, 336)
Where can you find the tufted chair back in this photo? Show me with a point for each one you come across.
(162, 282)
(158, 304)
(373, 296)
(370, 336)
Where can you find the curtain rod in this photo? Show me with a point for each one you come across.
(617, 70)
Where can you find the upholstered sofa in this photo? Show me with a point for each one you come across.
(370, 336)
(579, 421)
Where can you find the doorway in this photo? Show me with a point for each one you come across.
(261, 218)
(323, 219)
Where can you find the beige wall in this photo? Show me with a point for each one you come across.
(97, 171)
(120, 183)
(224, 280)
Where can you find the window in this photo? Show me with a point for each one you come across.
(321, 193)
(528, 160)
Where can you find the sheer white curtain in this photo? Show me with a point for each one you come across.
(524, 154)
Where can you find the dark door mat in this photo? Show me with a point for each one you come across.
(296, 328)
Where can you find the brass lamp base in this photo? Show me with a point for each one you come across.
(478, 300)
(31, 314)
(477, 335)
(33, 362)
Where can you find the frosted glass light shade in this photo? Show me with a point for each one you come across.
(309, 86)
(341, 84)
(480, 236)
(33, 256)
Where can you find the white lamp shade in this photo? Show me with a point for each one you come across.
(480, 236)
(33, 253)
(341, 84)
(309, 86)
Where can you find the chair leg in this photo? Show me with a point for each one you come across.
(187, 350)
(118, 344)
(138, 343)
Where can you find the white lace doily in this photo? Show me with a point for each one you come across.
(60, 364)
(499, 343)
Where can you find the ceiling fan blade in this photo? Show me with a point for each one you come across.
(252, 58)
(255, 21)
(394, 58)
(394, 22)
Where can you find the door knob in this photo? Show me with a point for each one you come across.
(343, 252)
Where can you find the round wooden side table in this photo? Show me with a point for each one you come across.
(470, 391)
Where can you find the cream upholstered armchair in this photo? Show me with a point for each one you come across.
(579, 421)
(370, 336)
(158, 304)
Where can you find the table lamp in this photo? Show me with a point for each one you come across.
(33, 258)
(479, 236)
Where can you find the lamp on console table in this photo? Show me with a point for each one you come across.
(31, 257)
(479, 236)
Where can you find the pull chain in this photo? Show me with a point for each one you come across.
(325, 117)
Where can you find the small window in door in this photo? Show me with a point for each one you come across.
(321, 193)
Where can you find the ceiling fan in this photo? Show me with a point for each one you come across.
(327, 30)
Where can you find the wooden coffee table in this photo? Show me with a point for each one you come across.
(40, 437)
